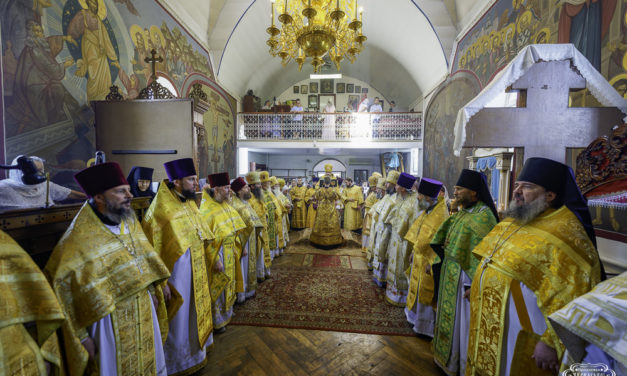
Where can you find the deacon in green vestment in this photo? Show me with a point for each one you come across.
(453, 242)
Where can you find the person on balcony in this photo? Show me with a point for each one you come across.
(297, 121)
(328, 130)
(376, 119)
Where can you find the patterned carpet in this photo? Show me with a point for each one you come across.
(322, 291)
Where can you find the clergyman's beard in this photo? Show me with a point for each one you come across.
(245, 196)
(257, 192)
(423, 204)
(525, 213)
(117, 214)
(390, 190)
(189, 194)
(379, 195)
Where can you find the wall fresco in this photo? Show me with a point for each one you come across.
(59, 55)
(597, 28)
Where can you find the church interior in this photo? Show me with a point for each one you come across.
(345, 187)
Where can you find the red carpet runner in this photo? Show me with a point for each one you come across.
(325, 294)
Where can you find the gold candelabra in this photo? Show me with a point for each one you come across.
(313, 28)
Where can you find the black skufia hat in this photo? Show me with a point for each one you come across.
(478, 182)
(560, 179)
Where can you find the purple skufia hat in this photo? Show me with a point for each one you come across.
(180, 168)
(429, 187)
(406, 181)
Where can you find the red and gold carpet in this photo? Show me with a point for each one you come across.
(315, 291)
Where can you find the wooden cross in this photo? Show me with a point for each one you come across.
(546, 126)
(153, 60)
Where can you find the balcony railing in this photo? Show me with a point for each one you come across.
(386, 126)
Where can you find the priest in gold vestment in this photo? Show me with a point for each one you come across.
(273, 210)
(353, 199)
(399, 249)
(299, 210)
(326, 232)
(249, 239)
(257, 202)
(371, 199)
(178, 233)
(286, 207)
(420, 307)
(29, 317)
(380, 238)
(533, 263)
(374, 217)
(109, 281)
(223, 253)
(312, 205)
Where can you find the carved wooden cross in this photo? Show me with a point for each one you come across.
(546, 126)
(153, 60)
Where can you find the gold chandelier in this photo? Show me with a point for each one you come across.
(313, 28)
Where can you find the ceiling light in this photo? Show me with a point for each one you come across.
(323, 76)
(315, 28)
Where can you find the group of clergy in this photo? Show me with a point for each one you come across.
(124, 297)
(325, 206)
(483, 289)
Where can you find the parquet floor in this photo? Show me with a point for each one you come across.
(249, 350)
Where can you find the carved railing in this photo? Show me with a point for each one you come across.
(267, 126)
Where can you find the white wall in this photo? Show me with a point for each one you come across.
(340, 99)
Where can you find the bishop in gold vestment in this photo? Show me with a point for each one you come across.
(223, 253)
(420, 307)
(353, 198)
(286, 207)
(179, 235)
(534, 262)
(326, 232)
(249, 239)
(299, 211)
(26, 298)
(109, 281)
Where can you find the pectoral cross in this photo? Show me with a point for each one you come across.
(546, 126)
(153, 60)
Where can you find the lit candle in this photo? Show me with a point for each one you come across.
(338, 4)
(285, 10)
(356, 9)
(272, 6)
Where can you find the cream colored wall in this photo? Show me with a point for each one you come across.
(340, 99)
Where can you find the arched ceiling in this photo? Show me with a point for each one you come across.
(407, 51)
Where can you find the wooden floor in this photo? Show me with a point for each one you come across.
(249, 350)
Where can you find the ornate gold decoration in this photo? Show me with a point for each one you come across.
(197, 92)
(114, 94)
(154, 90)
(603, 161)
(314, 28)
